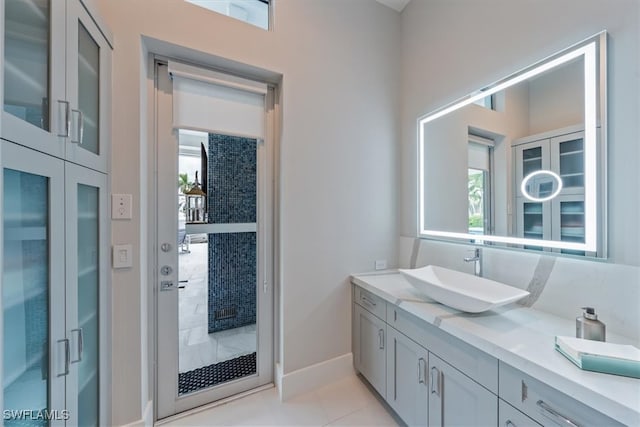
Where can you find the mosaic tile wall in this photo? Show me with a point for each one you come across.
(231, 198)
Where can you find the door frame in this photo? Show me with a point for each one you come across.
(266, 250)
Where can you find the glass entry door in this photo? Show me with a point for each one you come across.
(215, 299)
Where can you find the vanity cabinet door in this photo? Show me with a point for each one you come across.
(457, 400)
(407, 365)
(369, 347)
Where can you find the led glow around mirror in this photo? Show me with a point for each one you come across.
(538, 182)
(438, 212)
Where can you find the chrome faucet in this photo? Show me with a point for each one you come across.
(477, 260)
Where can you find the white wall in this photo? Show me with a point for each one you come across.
(440, 40)
(340, 101)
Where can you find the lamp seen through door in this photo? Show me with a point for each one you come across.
(196, 203)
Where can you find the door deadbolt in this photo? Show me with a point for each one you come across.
(166, 270)
(166, 247)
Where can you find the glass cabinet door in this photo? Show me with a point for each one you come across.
(568, 212)
(530, 157)
(35, 351)
(88, 65)
(34, 107)
(567, 159)
(86, 269)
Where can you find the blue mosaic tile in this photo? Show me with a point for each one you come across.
(231, 179)
(232, 280)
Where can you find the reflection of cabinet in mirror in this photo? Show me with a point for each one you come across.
(561, 218)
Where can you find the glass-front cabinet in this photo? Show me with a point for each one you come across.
(54, 217)
(562, 217)
(54, 147)
(56, 80)
(34, 346)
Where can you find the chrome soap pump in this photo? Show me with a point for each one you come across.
(589, 327)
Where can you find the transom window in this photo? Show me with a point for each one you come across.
(254, 12)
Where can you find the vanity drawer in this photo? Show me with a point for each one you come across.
(545, 404)
(477, 365)
(370, 302)
(508, 416)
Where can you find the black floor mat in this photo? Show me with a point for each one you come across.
(217, 373)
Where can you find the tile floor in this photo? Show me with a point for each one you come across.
(348, 402)
(197, 347)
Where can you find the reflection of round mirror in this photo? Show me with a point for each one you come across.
(541, 185)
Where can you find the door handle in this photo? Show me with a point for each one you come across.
(167, 285)
(80, 127)
(67, 357)
(80, 344)
(422, 371)
(436, 385)
(64, 119)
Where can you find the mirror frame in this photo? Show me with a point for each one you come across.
(594, 50)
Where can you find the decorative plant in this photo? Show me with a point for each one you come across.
(183, 183)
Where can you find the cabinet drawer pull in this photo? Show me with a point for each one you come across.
(367, 301)
(381, 339)
(555, 415)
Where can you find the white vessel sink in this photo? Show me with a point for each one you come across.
(461, 291)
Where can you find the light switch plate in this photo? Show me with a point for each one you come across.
(122, 256)
(121, 206)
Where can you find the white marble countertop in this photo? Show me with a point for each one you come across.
(523, 338)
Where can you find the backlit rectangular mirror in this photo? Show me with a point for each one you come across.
(522, 163)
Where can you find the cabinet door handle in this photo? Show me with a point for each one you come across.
(555, 415)
(381, 339)
(435, 381)
(422, 370)
(64, 119)
(67, 357)
(80, 344)
(80, 127)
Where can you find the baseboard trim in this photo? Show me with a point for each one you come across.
(314, 376)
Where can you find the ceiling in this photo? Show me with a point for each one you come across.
(395, 4)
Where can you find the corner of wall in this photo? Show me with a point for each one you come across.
(314, 376)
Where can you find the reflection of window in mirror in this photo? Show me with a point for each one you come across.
(480, 155)
(488, 102)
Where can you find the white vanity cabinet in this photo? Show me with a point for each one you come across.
(421, 387)
(369, 341)
(431, 377)
(57, 74)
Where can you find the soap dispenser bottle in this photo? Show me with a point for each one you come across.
(589, 327)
